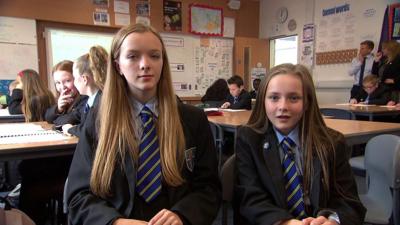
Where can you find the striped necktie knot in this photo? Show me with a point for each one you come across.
(288, 146)
(148, 183)
(294, 190)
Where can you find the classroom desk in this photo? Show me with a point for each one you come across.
(38, 149)
(5, 117)
(370, 111)
(354, 131)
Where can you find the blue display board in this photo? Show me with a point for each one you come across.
(4, 87)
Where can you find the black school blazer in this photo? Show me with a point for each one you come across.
(260, 188)
(198, 199)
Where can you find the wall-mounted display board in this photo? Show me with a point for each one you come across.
(18, 46)
(196, 62)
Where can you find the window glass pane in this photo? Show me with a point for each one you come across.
(285, 50)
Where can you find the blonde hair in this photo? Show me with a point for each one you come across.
(94, 64)
(373, 79)
(314, 137)
(393, 48)
(118, 135)
(37, 98)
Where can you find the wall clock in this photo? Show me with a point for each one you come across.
(282, 14)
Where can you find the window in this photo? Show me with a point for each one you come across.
(70, 44)
(283, 50)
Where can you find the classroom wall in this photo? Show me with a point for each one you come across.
(332, 82)
(81, 12)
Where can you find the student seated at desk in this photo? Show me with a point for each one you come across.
(89, 73)
(238, 97)
(256, 85)
(291, 168)
(372, 93)
(148, 159)
(216, 93)
(68, 100)
(30, 96)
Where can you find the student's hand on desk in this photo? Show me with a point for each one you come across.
(321, 220)
(353, 101)
(65, 129)
(122, 221)
(225, 105)
(166, 217)
(390, 103)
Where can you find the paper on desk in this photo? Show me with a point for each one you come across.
(210, 109)
(355, 104)
(22, 133)
(388, 106)
(233, 110)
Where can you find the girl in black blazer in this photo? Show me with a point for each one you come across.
(69, 101)
(387, 65)
(326, 191)
(89, 73)
(106, 184)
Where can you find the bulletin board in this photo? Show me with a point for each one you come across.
(18, 46)
(340, 28)
(196, 62)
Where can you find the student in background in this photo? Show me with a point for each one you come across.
(256, 85)
(292, 168)
(143, 138)
(30, 96)
(361, 66)
(68, 100)
(216, 93)
(372, 93)
(89, 72)
(387, 65)
(238, 97)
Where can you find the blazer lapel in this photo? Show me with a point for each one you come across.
(315, 184)
(274, 166)
(130, 174)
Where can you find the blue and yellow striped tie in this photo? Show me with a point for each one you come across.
(149, 172)
(294, 191)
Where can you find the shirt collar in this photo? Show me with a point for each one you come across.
(91, 98)
(152, 104)
(293, 135)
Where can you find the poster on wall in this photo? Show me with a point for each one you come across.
(307, 46)
(101, 18)
(172, 16)
(308, 33)
(100, 3)
(396, 22)
(142, 8)
(206, 20)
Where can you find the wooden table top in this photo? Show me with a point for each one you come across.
(38, 149)
(357, 108)
(346, 127)
(232, 119)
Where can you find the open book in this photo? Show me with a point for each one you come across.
(21, 133)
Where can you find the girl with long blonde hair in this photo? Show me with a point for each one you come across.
(30, 97)
(147, 159)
